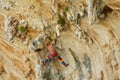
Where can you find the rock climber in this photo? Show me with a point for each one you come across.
(53, 54)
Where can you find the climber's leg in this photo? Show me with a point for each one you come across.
(47, 59)
(60, 59)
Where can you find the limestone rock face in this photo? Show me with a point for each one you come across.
(92, 51)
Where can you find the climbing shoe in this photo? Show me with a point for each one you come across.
(66, 65)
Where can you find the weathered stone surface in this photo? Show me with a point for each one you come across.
(92, 51)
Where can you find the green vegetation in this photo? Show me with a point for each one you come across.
(66, 9)
(22, 29)
(50, 39)
(61, 20)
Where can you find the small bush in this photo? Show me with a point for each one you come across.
(66, 9)
(22, 29)
(50, 39)
(61, 20)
